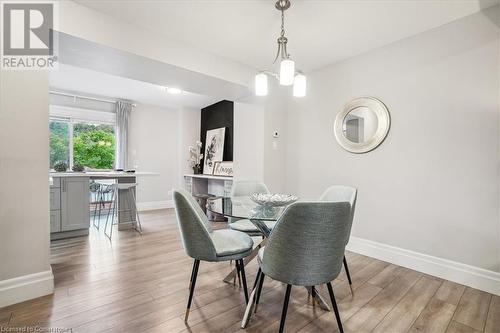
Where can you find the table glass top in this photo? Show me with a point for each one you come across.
(243, 208)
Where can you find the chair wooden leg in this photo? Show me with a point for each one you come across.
(194, 275)
(335, 308)
(238, 272)
(347, 271)
(259, 290)
(285, 307)
(243, 279)
(348, 275)
(257, 279)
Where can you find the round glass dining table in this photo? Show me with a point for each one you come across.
(244, 208)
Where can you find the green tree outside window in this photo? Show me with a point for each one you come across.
(59, 142)
(94, 145)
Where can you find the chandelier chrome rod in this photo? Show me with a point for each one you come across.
(282, 5)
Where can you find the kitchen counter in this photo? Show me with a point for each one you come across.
(70, 204)
(95, 174)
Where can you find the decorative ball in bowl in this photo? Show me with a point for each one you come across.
(273, 200)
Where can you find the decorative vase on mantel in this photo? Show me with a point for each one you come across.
(195, 157)
(197, 169)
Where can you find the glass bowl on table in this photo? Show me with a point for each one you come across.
(273, 200)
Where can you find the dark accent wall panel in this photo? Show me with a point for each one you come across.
(220, 114)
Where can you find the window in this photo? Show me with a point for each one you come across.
(94, 145)
(59, 142)
(82, 142)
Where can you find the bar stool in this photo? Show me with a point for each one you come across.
(126, 189)
(102, 189)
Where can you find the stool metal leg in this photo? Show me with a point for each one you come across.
(102, 205)
(97, 203)
(112, 212)
(95, 208)
(115, 212)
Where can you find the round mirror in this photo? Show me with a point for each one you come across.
(362, 125)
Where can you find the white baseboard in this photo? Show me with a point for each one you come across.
(471, 276)
(26, 287)
(154, 205)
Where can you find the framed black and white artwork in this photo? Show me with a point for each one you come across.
(214, 149)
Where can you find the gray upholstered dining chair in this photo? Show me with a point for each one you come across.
(247, 188)
(340, 193)
(306, 248)
(202, 243)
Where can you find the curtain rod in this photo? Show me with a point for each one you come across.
(84, 97)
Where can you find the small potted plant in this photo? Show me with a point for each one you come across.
(78, 168)
(61, 166)
(195, 157)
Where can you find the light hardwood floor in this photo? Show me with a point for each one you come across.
(139, 284)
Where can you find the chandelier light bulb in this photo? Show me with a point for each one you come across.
(286, 75)
(287, 72)
(261, 84)
(299, 85)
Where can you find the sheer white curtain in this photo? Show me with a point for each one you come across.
(122, 118)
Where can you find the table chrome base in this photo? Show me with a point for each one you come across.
(230, 277)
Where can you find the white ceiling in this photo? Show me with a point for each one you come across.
(93, 83)
(319, 32)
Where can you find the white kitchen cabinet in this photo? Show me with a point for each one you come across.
(55, 221)
(55, 199)
(75, 210)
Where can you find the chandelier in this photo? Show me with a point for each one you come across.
(287, 75)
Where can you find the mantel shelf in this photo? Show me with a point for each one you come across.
(208, 176)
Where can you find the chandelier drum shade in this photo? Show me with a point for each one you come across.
(288, 75)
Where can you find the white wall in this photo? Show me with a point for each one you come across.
(24, 195)
(274, 149)
(248, 142)
(153, 147)
(189, 128)
(432, 186)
